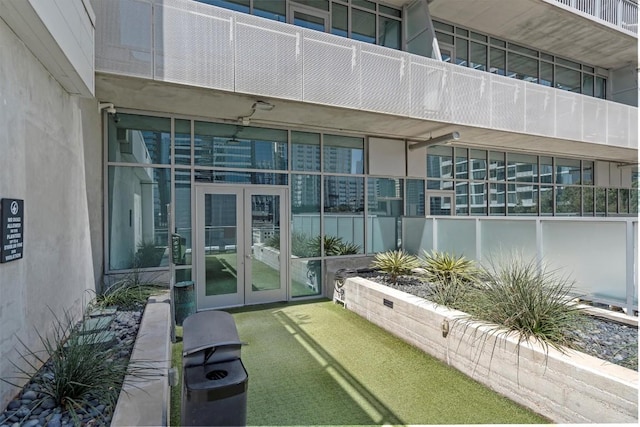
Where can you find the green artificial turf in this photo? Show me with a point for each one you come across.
(319, 364)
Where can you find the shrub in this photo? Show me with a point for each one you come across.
(395, 263)
(522, 296)
(333, 246)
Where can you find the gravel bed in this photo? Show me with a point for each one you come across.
(24, 411)
(605, 339)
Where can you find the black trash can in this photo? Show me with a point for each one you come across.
(214, 386)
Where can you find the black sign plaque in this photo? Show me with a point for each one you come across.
(11, 229)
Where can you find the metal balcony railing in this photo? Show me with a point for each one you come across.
(195, 44)
(622, 13)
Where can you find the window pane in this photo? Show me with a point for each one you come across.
(568, 200)
(237, 5)
(343, 154)
(271, 9)
(546, 200)
(522, 49)
(232, 146)
(546, 57)
(601, 202)
(634, 192)
(364, 3)
(498, 42)
(439, 162)
(496, 166)
(522, 67)
(305, 215)
(546, 170)
(138, 218)
(182, 143)
(390, 11)
(363, 26)
(567, 171)
(478, 56)
(444, 38)
(318, 4)
(436, 184)
(462, 32)
(587, 172)
(497, 64)
(497, 198)
(587, 84)
(567, 63)
(139, 139)
(385, 208)
(462, 55)
(265, 178)
(415, 198)
(462, 166)
(588, 206)
(623, 202)
(522, 167)
(601, 88)
(522, 199)
(442, 26)
(183, 214)
(343, 215)
(478, 160)
(305, 151)
(389, 34)
(478, 198)
(568, 79)
(546, 74)
(480, 37)
(339, 20)
(612, 201)
(462, 198)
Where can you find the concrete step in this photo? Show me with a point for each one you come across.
(96, 324)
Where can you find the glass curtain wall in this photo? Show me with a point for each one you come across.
(502, 57)
(516, 184)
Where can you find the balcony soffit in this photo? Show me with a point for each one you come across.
(543, 26)
(168, 98)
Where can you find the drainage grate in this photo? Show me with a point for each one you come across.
(218, 374)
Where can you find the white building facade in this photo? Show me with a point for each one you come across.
(271, 138)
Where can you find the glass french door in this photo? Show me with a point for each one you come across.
(240, 236)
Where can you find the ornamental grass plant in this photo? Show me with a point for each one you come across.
(450, 277)
(523, 296)
(395, 263)
(79, 371)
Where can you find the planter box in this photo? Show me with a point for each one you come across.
(566, 388)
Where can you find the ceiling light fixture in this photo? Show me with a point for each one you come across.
(442, 139)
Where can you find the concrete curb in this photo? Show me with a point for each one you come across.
(146, 401)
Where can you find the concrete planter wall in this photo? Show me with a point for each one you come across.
(566, 388)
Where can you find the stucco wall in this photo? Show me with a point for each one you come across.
(50, 157)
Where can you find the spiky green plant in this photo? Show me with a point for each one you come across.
(524, 297)
(445, 267)
(395, 263)
(333, 246)
(81, 369)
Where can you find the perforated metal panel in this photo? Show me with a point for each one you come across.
(268, 58)
(540, 112)
(430, 97)
(331, 70)
(123, 37)
(385, 80)
(594, 111)
(194, 45)
(507, 104)
(470, 97)
(617, 124)
(633, 128)
(568, 116)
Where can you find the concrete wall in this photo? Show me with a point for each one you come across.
(567, 388)
(50, 156)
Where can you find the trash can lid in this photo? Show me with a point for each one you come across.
(207, 330)
(183, 284)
